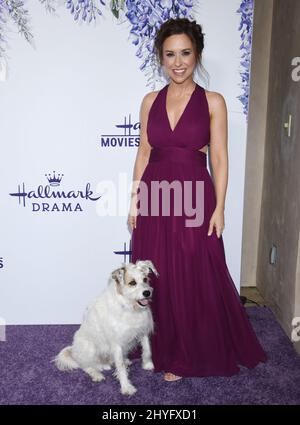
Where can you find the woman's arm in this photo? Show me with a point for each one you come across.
(219, 158)
(218, 146)
(143, 152)
(142, 156)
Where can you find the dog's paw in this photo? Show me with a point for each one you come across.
(128, 362)
(105, 366)
(94, 374)
(98, 377)
(148, 365)
(129, 389)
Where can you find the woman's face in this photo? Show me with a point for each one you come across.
(179, 54)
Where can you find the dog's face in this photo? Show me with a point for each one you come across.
(133, 282)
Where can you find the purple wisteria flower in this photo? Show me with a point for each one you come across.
(86, 10)
(145, 18)
(50, 5)
(13, 11)
(246, 24)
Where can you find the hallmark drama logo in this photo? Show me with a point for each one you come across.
(49, 197)
(129, 137)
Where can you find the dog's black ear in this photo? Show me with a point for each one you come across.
(153, 269)
(118, 275)
(147, 266)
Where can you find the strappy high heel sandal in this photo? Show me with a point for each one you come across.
(171, 377)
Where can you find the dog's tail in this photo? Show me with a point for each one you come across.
(64, 360)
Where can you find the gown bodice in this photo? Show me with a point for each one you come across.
(192, 130)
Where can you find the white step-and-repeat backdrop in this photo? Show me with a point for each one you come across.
(70, 94)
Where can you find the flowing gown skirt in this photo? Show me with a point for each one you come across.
(201, 327)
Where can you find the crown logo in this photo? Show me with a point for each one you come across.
(54, 180)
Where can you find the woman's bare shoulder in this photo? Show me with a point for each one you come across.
(148, 99)
(215, 101)
(214, 97)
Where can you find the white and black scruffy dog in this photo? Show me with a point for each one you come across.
(113, 325)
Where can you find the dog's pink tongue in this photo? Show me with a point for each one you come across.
(144, 301)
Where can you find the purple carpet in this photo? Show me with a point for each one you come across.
(28, 377)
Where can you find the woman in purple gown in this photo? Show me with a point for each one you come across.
(201, 327)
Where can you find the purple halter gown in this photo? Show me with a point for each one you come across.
(201, 328)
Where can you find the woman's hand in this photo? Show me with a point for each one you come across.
(217, 221)
(131, 221)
